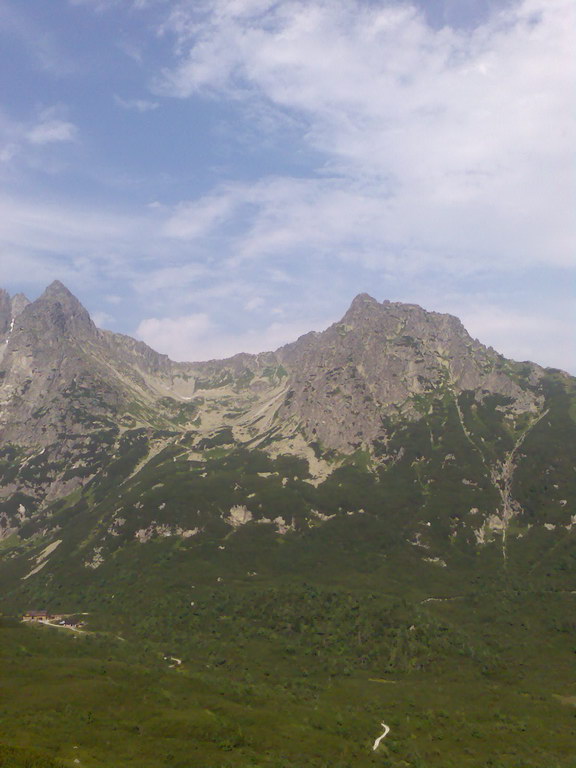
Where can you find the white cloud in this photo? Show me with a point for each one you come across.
(52, 127)
(8, 152)
(24, 144)
(423, 157)
(51, 131)
(453, 144)
(254, 303)
(191, 220)
(542, 336)
(102, 319)
(80, 245)
(35, 227)
(102, 5)
(195, 337)
(177, 336)
(138, 105)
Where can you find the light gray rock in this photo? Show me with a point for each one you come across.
(63, 382)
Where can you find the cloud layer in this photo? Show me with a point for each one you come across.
(442, 145)
(315, 149)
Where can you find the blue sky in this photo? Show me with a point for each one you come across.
(223, 176)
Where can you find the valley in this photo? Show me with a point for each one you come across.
(261, 544)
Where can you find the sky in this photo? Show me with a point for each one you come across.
(217, 176)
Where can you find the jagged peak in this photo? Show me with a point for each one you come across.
(58, 293)
(57, 290)
(362, 306)
(58, 308)
(363, 300)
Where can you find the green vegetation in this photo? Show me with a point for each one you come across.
(295, 674)
(337, 605)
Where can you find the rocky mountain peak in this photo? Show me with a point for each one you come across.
(379, 363)
(58, 311)
(57, 293)
(10, 308)
(390, 384)
(362, 302)
(56, 289)
(368, 313)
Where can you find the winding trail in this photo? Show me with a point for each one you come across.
(63, 626)
(441, 599)
(383, 736)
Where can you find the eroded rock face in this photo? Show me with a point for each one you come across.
(10, 309)
(238, 515)
(5, 313)
(380, 363)
(68, 390)
(393, 413)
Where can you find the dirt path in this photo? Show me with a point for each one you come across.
(63, 626)
(383, 736)
(441, 599)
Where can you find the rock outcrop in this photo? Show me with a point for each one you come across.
(79, 405)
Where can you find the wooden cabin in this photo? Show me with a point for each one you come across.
(36, 616)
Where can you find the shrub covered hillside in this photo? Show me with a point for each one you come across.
(258, 561)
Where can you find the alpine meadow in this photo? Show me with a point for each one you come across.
(252, 561)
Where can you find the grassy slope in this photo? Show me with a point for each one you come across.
(286, 667)
(282, 673)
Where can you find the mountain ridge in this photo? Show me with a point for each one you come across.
(387, 497)
(391, 389)
(401, 351)
(59, 293)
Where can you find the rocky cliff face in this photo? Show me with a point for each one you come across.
(380, 363)
(393, 410)
(341, 386)
(10, 309)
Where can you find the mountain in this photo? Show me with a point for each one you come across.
(386, 496)
(399, 391)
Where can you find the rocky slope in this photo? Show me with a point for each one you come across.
(388, 501)
(380, 363)
(394, 412)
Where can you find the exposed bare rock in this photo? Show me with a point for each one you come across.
(19, 304)
(372, 367)
(69, 391)
(5, 313)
